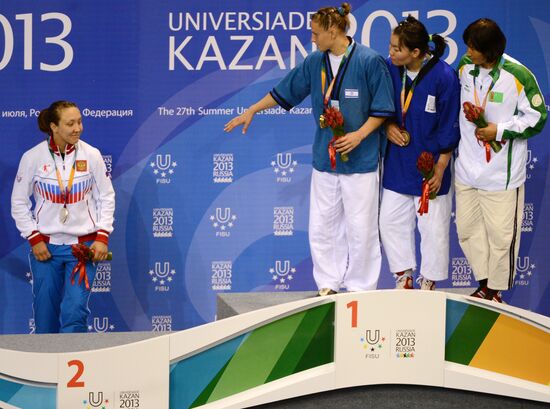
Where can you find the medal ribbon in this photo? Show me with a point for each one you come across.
(424, 200)
(495, 74)
(328, 92)
(83, 254)
(406, 98)
(327, 95)
(64, 193)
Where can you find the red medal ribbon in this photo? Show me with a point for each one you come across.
(424, 200)
(495, 74)
(487, 152)
(82, 276)
(332, 152)
(83, 254)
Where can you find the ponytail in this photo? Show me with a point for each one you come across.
(52, 114)
(440, 45)
(413, 34)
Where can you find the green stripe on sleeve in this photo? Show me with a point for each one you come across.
(533, 95)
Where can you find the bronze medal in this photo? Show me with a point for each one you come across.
(322, 121)
(406, 136)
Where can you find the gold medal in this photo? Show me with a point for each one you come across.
(406, 136)
(322, 122)
(63, 215)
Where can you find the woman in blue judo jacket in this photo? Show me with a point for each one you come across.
(427, 103)
(343, 228)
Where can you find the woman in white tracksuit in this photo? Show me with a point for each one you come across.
(74, 202)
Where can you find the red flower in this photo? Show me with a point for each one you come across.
(474, 114)
(334, 119)
(83, 254)
(425, 165)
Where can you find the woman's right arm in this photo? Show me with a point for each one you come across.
(246, 117)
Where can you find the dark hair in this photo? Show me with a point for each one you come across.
(328, 17)
(485, 36)
(413, 34)
(52, 114)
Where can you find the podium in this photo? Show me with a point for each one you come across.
(297, 348)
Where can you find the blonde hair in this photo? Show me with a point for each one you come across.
(337, 17)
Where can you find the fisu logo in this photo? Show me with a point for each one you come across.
(284, 166)
(531, 163)
(223, 220)
(226, 215)
(97, 401)
(101, 325)
(371, 338)
(163, 166)
(282, 269)
(525, 270)
(372, 343)
(162, 274)
(163, 163)
(282, 274)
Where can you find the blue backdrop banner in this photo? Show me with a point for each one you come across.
(200, 211)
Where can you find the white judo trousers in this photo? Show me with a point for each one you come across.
(398, 219)
(343, 230)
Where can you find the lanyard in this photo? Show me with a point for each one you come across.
(328, 92)
(406, 102)
(495, 74)
(65, 193)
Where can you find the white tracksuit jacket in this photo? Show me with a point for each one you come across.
(91, 202)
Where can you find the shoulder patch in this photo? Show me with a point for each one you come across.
(536, 100)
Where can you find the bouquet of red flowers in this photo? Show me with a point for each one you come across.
(475, 114)
(83, 254)
(334, 119)
(425, 165)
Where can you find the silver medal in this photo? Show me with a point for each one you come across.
(63, 215)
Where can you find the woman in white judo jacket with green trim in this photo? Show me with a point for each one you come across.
(490, 168)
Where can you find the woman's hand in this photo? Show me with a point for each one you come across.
(41, 252)
(394, 134)
(435, 181)
(100, 251)
(244, 119)
(487, 134)
(345, 144)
